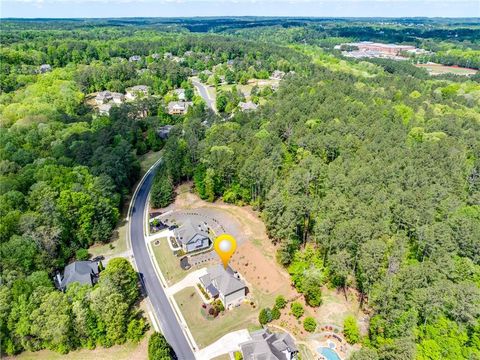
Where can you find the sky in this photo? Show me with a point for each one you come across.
(188, 8)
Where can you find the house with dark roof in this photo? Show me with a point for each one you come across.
(224, 284)
(83, 272)
(192, 237)
(45, 68)
(269, 346)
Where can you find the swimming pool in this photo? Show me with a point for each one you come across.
(328, 353)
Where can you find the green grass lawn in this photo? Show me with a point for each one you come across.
(169, 264)
(206, 331)
(148, 159)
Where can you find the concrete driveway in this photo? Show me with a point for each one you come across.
(226, 344)
(191, 279)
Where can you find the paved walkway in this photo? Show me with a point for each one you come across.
(226, 344)
(191, 280)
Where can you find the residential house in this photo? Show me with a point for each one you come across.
(103, 97)
(156, 56)
(224, 284)
(178, 107)
(135, 91)
(207, 72)
(247, 106)
(277, 75)
(164, 131)
(167, 55)
(269, 346)
(192, 237)
(188, 53)
(45, 68)
(180, 94)
(83, 272)
(230, 63)
(134, 58)
(118, 98)
(104, 109)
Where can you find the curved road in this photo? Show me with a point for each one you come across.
(202, 89)
(155, 291)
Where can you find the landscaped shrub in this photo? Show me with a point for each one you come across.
(310, 324)
(275, 313)
(297, 309)
(265, 316)
(238, 355)
(351, 330)
(280, 302)
(203, 292)
(135, 330)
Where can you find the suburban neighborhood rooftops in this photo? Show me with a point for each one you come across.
(267, 345)
(84, 272)
(138, 88)
(103, 95)
(223, 280)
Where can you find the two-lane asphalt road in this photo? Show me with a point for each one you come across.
(163, 310)
(202, 89)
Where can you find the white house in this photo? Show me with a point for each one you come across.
(135, 91)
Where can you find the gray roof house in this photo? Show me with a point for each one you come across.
(136, 90)
(134, 58)
(224, 284)
(178, 107)
(191, 237)
(45, 68)
(118, 98)
(104, 109)
(83, 272)
(103, 97)
(267, 346)
(247, 106)
(277, 75)
(164, 131)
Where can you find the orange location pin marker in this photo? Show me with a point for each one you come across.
(225, 245)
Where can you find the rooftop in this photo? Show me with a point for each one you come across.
(223, 280)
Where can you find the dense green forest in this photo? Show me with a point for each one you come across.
(65, 170)
(366, 173)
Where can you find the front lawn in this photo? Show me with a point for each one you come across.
(169, 264)
(206, 331)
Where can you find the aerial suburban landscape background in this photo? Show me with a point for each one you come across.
(342, 155)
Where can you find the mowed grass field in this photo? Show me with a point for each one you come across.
(168, 263)
(437, 69)
(206, 331)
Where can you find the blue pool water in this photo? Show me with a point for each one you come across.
(328, 353)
